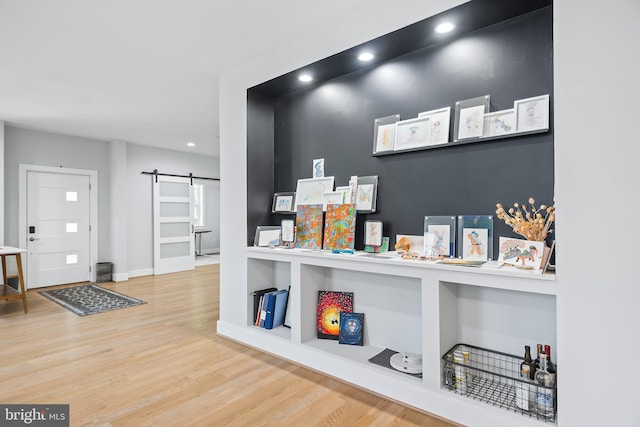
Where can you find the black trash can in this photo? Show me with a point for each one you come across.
(103, 272)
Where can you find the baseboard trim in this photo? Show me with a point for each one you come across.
(141, 272)
(120, 277)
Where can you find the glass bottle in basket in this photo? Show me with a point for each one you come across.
(544, 393)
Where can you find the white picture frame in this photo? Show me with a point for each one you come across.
(471, 122)
(283, 202)
(310, 191)
(373, 233)
(412, 133)
(499, 123)
(332, 198)
(439, 121)
(532, 113)
(384, 133)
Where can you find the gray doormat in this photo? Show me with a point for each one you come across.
(90, 299)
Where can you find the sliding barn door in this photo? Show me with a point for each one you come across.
(173, 243)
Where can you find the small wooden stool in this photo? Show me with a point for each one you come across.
(8, 292)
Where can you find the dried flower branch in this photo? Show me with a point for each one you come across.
(528, 221)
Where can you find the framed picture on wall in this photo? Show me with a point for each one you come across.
(310, 191)
(384, 133)
(499, 123)
(283, 202)
(469, 117)
(532, 113)
(438, 125)
(412, 133)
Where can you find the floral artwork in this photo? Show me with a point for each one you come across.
(475, 243)
(521, 253)
(340, 229)
(309, 227)
(330, 305)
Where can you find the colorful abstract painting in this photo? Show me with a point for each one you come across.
(330, 305)
(309, 227)
(340, 229)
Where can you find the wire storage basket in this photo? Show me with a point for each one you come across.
(494, 377)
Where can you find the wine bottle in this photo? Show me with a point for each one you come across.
(536, 362)
(527, 361)
(545, 393)
(550, 365)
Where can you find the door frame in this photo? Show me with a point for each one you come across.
(23, 170)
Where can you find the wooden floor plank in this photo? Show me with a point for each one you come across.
(161, 363)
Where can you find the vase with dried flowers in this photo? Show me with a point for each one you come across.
(531, 222)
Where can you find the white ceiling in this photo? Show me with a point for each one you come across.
(141, 71)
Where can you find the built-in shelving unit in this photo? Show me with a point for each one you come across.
(414, 306)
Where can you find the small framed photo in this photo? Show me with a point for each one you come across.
(469, 117)
(440, 235)
(287, 230)
(412, 133)
(373, 233)
(438, 125)
(475, 237)
(384, 133)
(283, 202)
(267, 235)
(521, 253)
(532, 113)
(367, 194)
(499, 123)
(310, 191)
(351, 328)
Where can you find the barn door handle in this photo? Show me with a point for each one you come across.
(31, 239)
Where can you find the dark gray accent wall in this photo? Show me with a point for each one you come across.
(510, 60)
(260, 162)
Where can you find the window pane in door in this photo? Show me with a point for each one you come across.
(174, 189)
(173, 250)
(172, 209)
(174, 229)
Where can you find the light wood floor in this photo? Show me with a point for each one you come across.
(162, 364)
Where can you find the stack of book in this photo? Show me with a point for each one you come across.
(270, 306)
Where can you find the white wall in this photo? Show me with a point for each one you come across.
(140, 212)
(125, 230)
(597, 185)
(597, 177)
(2, 182)
(49, 149)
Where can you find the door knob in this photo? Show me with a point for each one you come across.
(31, 239)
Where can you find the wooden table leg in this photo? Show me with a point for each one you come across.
(4, 271)
(20, 275)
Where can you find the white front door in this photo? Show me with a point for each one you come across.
(58, 237)
(173, 243)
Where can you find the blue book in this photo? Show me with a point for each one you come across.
(270, 304)
(351, 327)
(280, 308)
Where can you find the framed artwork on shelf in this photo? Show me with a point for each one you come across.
(330, 305)
(499, 123)
(412, 133)
(532, 113)
(410, 243)
(332, 198)
(309, 227)
(351, 328)
(340, 227)
(267, 235)
(440, 235)
(373, 233)
(283, 202)
(367, 194)
(438, 125)
(469, 117)
(318, 168)
(521, 253)
(475, 237)
(384, 133)
(287, 227)
(309, 191)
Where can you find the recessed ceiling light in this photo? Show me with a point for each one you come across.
(191, 144)
(305, 78)
(366, 56)
(445, 27)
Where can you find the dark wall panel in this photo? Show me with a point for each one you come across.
(334, 121)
